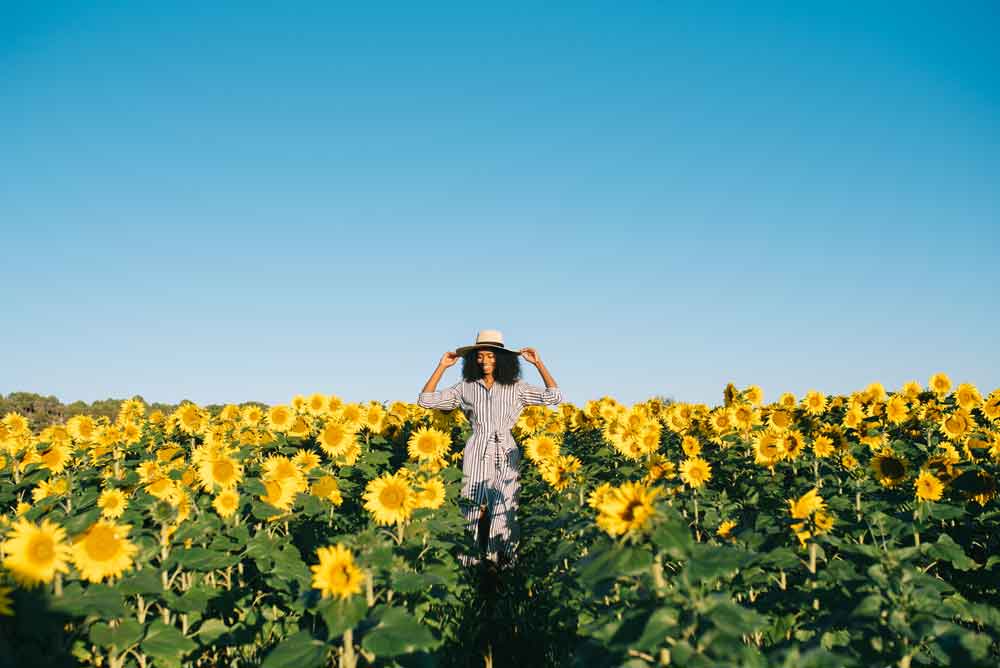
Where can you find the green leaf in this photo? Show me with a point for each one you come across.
(658, 626)
(126, 634)
(166, 642)
(613, 562)
(299, 651)
(674, 538)
(340, 614)
(96, 599)
(711, 561)
(201, 559)
(397, 633)
(947, 549)
(211, 630)
(146, 581)
(735, 620)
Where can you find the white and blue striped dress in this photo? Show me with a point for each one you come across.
(491, 464)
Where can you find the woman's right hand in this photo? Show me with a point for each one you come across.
(449, 359)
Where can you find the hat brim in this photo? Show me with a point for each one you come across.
(465, 349)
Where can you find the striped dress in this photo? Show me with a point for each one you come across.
(491, 464)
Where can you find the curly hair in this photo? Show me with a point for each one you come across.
(507, 370)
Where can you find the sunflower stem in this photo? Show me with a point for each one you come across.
(812, 558)
(347, 657)
(57, 585)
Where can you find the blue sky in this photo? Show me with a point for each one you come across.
(245, 202)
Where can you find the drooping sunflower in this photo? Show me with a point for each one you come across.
(928, 487)
(428, 444)
(36, 552)
(991, 407)
(695, 472)
(327, 488)
(889, 469)
(103, 551)
(112, 503)
(725, 528)
(626, 508)
(226, 503)
(336, 574)
(389, 499)
(957, 424)
(754, 394)
(280, 494)
(807, 504)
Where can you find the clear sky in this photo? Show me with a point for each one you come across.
(244, 201)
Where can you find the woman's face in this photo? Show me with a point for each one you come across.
(487, 361)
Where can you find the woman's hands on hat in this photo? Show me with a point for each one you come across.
(449, 359)
(530, 356)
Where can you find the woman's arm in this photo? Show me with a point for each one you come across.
(531, 356)
(446, 399)
(532, 395)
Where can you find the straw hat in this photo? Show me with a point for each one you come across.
(487, 338)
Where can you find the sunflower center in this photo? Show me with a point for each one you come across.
(223, 470)
(101, 543)
(41, 550)
(893, 468)
(391, 497)
(426, 445)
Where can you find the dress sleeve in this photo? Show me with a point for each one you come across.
(444, 400)
(532, 395)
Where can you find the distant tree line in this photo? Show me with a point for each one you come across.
(44, 411)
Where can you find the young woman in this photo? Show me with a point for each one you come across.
(492, 396)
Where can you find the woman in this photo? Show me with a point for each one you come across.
(492, 397)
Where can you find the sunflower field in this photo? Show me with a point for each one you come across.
(858, 530)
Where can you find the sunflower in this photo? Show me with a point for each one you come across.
(335, 438)
(557, 471)
(691, 446)
(280, 468)
(327, 488)
(807, 504)
(939, 384)
(374, 417)
(36, 552)
(814, 402)
(928, 487)
(389, 499)
(306, 460)
(112, 503)
(431, 494)
(626, 508)
(725, 528)
(82, 427)
(968, 397)
(318, 404)
(823, 446)
(768, 448)
(745, 416)
(224, 473)
(792, 444)
(299, 403)
(300, 428)
(251, 415)
(351, 415)
(280, 494)
(991, 407)
(428, 444)
(889, 469)
(226, 503)
(281, 418)
(103, 551)
(695, 472)
(191, 419)
(541, 448)
(854, 416)
(911, 389)
(599, 495)
(659, 467)
(957, 424)
(779, 420)
(721, 421)
(336, 573)
(754, 394)
(896, 410)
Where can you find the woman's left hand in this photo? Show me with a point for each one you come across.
(530, 356)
